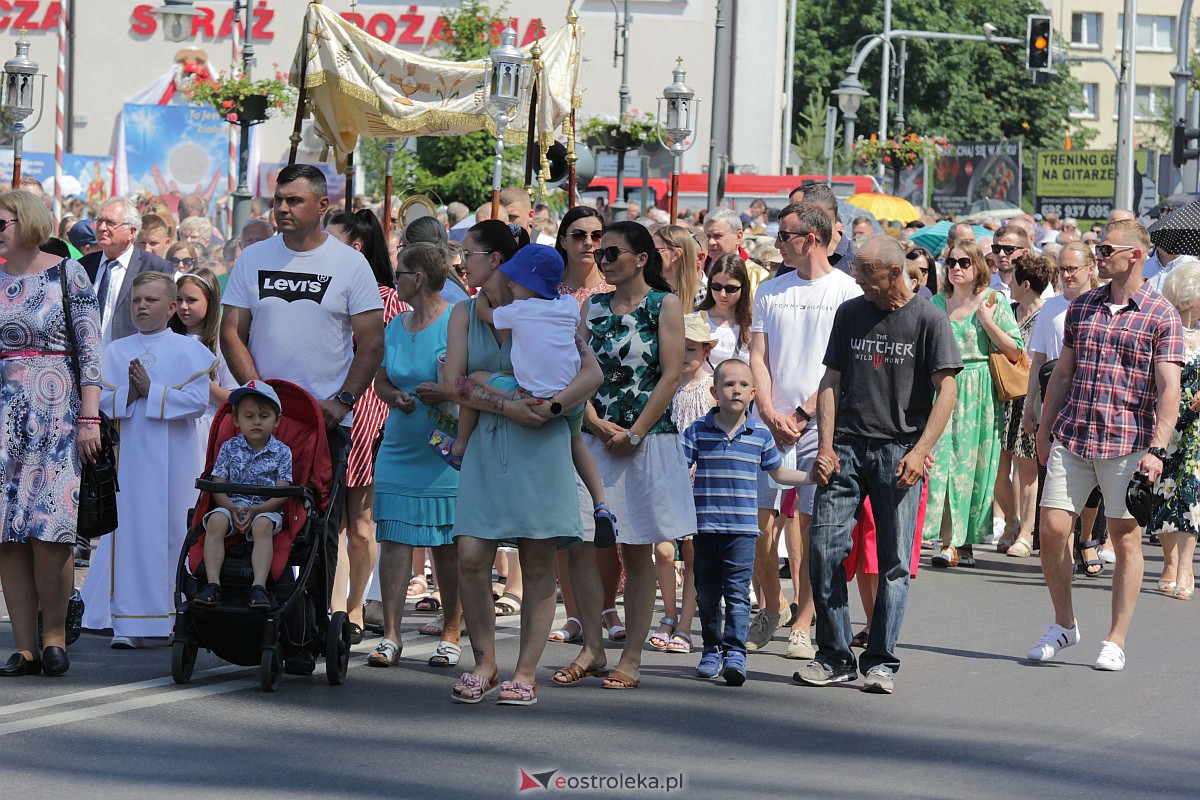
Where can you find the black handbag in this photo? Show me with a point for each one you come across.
(98, 483)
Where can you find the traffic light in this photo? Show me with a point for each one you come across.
(1181, 153)
(1038, 39)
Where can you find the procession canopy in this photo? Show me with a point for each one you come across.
(359, 86)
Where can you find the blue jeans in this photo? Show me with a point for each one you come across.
(868, 469)
(724, 565)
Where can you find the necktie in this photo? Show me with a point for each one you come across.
(102, 290)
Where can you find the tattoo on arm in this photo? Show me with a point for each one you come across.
(579, 345)
(468, 390)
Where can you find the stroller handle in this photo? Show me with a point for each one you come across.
(303, 492)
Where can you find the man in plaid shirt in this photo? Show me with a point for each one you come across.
(1111, 404)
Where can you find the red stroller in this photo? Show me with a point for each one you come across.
(305, 555)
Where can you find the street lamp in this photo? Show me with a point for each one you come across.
(504, 82)
(177, 19)
(177, 27)
(849, 97)
(680, 121)
(16, 100)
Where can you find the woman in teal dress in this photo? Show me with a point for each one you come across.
(517, 481)
(961, 483)
(415, 491)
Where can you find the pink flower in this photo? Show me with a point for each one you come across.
(231, 116)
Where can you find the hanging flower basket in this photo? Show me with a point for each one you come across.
(241, 100)
(616, 134)
(896, 153)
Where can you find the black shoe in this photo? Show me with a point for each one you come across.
(18, 665)
(301, 663)
(83, 556)
(356, 634)
(55, 662)
(606, 527)
(259, 598)
(210, 595)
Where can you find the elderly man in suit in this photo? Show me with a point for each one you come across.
(116, 263)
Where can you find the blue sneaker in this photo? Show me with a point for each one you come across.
(710, 664)
(734, 671)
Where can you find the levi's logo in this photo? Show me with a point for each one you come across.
(290, 286)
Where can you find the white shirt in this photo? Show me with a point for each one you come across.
(301, 304)
(797, 317)
(1047, 335)
(116, 269)
(544, 356)
(1160, 276)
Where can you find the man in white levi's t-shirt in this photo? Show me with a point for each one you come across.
(793, 316)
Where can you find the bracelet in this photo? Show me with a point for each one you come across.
(96, 420)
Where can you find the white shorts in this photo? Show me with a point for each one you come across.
(1070, 480)
(274, 516)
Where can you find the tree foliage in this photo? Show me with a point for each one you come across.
(964, 91)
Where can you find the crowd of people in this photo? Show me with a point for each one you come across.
(532, 410)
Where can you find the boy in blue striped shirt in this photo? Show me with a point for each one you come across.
(728, 449)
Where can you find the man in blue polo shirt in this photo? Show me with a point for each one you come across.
(728, 449)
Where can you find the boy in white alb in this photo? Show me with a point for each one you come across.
(545, 359)
(155, 385)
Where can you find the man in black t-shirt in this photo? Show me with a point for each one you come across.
(888, 391)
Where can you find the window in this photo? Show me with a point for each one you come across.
(1153, 32)
(1149, 102)
(1085, 30)
(1088, 106)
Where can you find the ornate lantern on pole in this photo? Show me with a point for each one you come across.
(849, 97)
(177, 16)
(16, 100)
(504, 82)
(675, 133)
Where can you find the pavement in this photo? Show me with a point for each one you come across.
(970, 717)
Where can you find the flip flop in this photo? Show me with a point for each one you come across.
(446, 655)
(575, 673)
(471, 688)
(619, 680)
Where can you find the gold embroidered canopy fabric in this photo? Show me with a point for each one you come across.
(359, 86)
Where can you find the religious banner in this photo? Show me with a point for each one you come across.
(86, 177)
(359, 86)
(172, 150)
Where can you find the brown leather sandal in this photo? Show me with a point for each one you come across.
(619, 680)
(574, 674)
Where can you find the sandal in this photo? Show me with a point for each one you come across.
(565, 636)
(658, 640)
(615, 632)
(1167, 587)
(418, 589)
(517, 693)
(1091, 567)
(1019, 549)
(947, 557)
(432, 628)
(446, 655)
(966, 556)
(860, 639)
(619, 680)
(430, 603)
(472, 688)
(1184, 593)
(679, 643)
(572, 674)
(508, 604)
(441, 443)
(386, 654)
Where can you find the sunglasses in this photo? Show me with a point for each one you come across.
(187, 262)
(4, 223)
(581, 236)
(610, 253)
(923, 270)
(725, 288)
(784, 236)
(1107, 250)
(1007, 249)
(961, 263)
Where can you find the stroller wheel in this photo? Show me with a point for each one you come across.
(183, 660)
(337, 648)
(269, 669)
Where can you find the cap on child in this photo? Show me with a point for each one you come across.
(260, 388)
(537, 267)
(696, 329)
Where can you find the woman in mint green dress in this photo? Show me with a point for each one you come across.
(959, 510)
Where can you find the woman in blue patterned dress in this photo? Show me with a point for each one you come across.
(1177, 518)
(636, 332)
(48, 430)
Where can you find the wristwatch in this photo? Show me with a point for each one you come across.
(1158, 452)
(634, 439)
(555, 406)
(346, 398)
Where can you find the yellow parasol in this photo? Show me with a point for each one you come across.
(884, 206)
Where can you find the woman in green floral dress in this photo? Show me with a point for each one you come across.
(1177, 518)
(959, 511)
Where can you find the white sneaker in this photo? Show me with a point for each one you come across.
(1111, 658)
(126, 642)
(1056, 638)
(800, 646)
(1108, 556)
